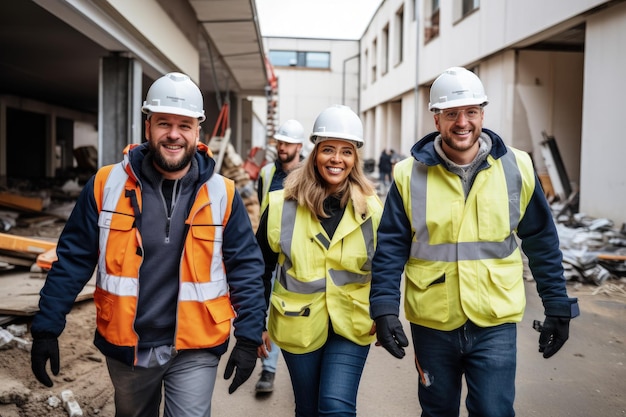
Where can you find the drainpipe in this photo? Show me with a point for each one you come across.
(418, 6)
(343, 80)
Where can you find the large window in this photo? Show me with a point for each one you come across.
(305, 59)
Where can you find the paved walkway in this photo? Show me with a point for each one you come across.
(586, 378)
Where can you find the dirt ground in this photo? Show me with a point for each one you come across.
(83, 369)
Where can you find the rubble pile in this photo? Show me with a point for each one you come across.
(594, 251)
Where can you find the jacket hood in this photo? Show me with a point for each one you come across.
(424, 150)
(135, 153)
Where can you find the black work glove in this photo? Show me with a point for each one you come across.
(42, 350)
(243, 357)
(390, 335)
(554, 334)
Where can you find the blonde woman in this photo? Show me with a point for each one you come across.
(321, 232)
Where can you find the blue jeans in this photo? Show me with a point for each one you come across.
(325, 382)
(269, 364)
(487, 357)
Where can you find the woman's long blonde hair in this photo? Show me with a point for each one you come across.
(306, 186)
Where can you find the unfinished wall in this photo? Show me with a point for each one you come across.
(549, 98)
(603, 179)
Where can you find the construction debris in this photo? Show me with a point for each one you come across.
(70, 403)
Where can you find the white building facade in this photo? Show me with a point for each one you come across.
(313, 74)
(550, 69)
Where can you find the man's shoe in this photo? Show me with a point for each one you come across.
(266, 382)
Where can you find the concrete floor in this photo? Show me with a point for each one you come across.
(587, 378)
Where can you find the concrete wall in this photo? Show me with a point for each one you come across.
(149, 18)
(603, 179)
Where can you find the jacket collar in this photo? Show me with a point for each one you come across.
(424, 150)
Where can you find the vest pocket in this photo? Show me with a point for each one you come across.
(298, 323)
(506, 294)
(427, 291)
(493, 218)
(220, 309)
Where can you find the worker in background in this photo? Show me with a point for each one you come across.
(176, 259)
(321, 230)
(384, 170)
(449, 224)
(289, 139)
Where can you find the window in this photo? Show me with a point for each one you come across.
(463, 8)
(366, 64)
(385, 51)
(373, 68)
(399, 36)
(305, 59)
(431, 20)
(469, 6)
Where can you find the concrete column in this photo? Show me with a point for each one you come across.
(119, 108)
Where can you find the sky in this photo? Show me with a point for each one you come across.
(327, 19)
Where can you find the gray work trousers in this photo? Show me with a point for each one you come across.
(186, 383)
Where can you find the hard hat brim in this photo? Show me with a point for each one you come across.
(317, 138)
(458, 103)
(286, 139)
(147, 109)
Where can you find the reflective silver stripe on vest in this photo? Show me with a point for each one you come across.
(112, 192)
(463, 251)
(218, 199)
(340, 278)
(128, 286)
(267, 173)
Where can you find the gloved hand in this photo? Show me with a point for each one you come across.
(43, 349)
(243, 357)
(554, 334)
(390, 335)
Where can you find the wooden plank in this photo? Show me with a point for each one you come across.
(611, 257)
(19, 292)
(21, 202)
(25, 244)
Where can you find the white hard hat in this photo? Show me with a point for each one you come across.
(290, 132)
(338, 122)
(456, 87)
(174, 93)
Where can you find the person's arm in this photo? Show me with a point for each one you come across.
(392, 252)
(259, 188)
(540, 243)
(77, 255)
(270, 257)
(244, 268)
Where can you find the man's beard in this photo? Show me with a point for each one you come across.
(167, 166)
(285, 159)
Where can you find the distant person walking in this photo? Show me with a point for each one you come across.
(384, 168)
(450, 224)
